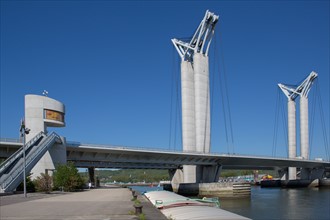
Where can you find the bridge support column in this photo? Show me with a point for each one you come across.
(91, 174)
(292, 171)
(304, 137)
(317, 173)
(282, 173)
(311, 174)
(208, 174)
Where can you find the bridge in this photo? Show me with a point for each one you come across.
(109, 156)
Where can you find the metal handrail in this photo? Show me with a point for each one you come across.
(31, 157)
(19, 152)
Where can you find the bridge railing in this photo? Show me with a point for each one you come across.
(123, 147)
(76, 144)
(11, 140)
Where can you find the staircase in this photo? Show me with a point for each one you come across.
(11, 170)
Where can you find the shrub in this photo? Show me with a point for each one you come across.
(44, 183)
(66, 177)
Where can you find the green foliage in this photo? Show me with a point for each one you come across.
(137, 202)
(68, 178)
(231, 173)
(131, 175)
(44, 183)
(142, 216)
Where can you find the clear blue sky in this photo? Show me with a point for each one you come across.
(113, 65)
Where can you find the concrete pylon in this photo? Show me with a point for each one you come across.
(202, 102)
(188, 117)
(292, 93)
(188, 106)
(195, 93)
(292, 172)
(304, 134)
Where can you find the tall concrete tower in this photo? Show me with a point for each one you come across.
(303, 90)
(292, 93)
(292, 139)
(42, 112)
(195, 90)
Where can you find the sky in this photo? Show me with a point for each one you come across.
(114, 67)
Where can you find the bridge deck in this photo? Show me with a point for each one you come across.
(103, 156)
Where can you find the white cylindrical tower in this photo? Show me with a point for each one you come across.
(42, 112)
(202, 102)
(195, 91)
(304, 136)
(292, 128)
(292, 137)
(188, 117)
(188, 106)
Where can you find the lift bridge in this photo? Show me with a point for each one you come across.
(108, 156)
(194, 164)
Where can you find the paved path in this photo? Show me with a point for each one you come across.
(100, 204)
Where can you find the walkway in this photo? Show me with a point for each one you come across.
(100, 204)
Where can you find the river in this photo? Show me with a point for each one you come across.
(278, 203)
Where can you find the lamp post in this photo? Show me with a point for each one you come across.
(24, 131)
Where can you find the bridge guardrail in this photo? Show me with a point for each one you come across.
(76, 144)
(11, 140)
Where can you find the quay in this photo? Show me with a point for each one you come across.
(96, 204)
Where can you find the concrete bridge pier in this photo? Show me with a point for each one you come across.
(307, 178)
(311, 174)
(91, 175)
(204, 174)
(207, 175)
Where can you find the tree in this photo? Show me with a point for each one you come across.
(66, 177)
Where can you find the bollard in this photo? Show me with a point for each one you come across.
(138, 209)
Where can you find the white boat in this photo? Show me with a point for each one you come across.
(178, 207)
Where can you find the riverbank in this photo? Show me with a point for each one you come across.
(102, 203)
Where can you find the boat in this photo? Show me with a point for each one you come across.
(178, 207)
